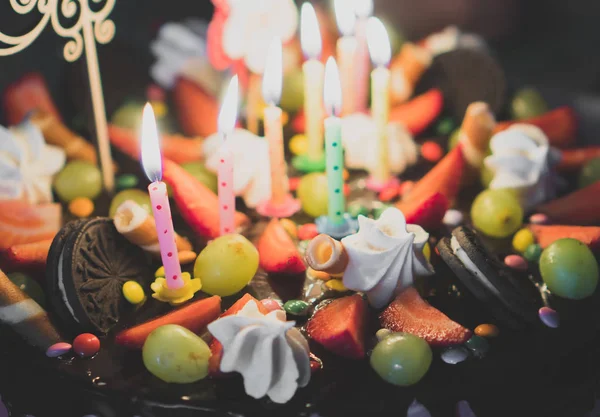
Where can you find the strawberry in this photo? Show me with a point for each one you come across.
(546, 235)
(574, 159)
(340, 326)
(299, 122)
(198, 111)
(417, 114)
(198, 205)
(409, 313)
(560, 125)
(277, 251)
(25, 257)
(27, 94)
(445, 178)
(427, 213)
(174, 147)
(194, 317)
(579, 208)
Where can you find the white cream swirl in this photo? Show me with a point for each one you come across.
(385, 256)
(269, 352)
(522, 160)
(27, 164)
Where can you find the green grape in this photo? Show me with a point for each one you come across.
(175, 354)
(497, 213)
(29, 286)
(199, 171)
(453, 140)
(292, 97)
(129, 115)
(313, 194)
(226, 265)
(590, 173)
(486, 176)
(527, 103)
(401, 359)
(139, 196)
(78, 179)
(569, 269)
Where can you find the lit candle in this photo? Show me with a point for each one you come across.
(346, 52)
(281, 203)
(226, 124)
(152, 164)
(363, 10)
(381, 53)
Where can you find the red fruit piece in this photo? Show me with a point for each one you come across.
(307, 231)
(198, 205)
(560, 125)
(194, 317)
(427, 213)
(26, 257)
(340, 326)
(579, 208)
(197, 111)
(546, 235)
(27, 94)
(417, 114)
(572, 160)
(22, 223)
(277, 251)
(299, 122)
(409, 313)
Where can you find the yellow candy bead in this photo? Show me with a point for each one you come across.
(285, 118)
(160, 272)
(133, 292)
(299, 145)
(81, 207)
(487, 330)
(427, 252)
(336, 285)
(522, 240)
(324, 276)
(160, 108)
(290, 227)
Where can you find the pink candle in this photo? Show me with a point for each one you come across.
(227, 119)
(363, 9)
(152, 164)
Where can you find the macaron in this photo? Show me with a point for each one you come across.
(88, 263)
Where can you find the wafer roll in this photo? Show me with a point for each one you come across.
(407, 69)
(326, 254)
(136, 224)
(476, 131)
(25, 316)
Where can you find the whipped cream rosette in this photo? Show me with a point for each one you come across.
(522, 161)
(452, 38)
(252, 173)
(269, 352)
(27, 164)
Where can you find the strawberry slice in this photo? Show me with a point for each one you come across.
(28, 257)
(427, 213)
(444, 178)
(198, 205)
(197, 111)
(417, 114)
(21, 222)
(194, 317)
(579, 208)
(572, 160)
(174, 147)
(559, 125)
(340, 326)
(27, 94)
(216, 348)
(409, 313)
(277, 251)
(546, 235)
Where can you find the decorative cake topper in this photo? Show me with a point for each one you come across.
(90, 26)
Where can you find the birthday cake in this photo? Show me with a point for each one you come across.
(317, 254)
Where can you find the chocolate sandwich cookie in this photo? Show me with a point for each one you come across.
(88, 263)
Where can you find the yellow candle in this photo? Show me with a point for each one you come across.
(253, 103)
(274, 134)
(362, 9)
(346, 54)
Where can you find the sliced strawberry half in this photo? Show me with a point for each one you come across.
(21, 222)
(28, 257)
(579, 208)
(277, 251)
(427, 213)
(340, 326)
(197, 110)
(572, 160)
(546, 235)
(409, 313)
(25, 95)
(417, 114)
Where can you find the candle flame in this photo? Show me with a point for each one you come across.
(273, 75)
(363, 8)
(332, 92)
(310, 34)
(229, 109)
(379, 43)
(151, 157)
(345, 16)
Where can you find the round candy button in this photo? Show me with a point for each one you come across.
(86, 345)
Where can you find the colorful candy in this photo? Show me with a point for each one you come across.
(497, 213)
(86, 345)
(187, 257)
(271, 304)
(133, 292)
(487, 330)
(336, 285)
(432, 151)
(298, 144)
(81, 207)
(296, 307)
(539, 218)
(445, 126)
(126, 181)
(549, 317)
(516, 262)
(307, 231)
(454, 355)
(478, 346)
(453, 218)
(78, 179)
(58, 349)
(533, 253)
(322, 275)
(401, 359)
(313, 194)
(522, 240)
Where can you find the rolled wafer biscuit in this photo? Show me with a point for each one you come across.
(137, 226)
(326, 254)
(406, 71)
(25, 316)
(476, 131)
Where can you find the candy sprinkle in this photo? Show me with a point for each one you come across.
(296, 307)
(81, 207)
(58, 349)
(432, 151)
(478, 346)
(86, 345)
(133, 292)
(455, 355)
(539, 218)
(533, 253)
(516, 262)
(336, 285)
(522, 240)
(549, 317)
(487, 330)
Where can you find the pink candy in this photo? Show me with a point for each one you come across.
(270, 304)
(516, 262)
(539, 218)
(58, 349)
(307, 231)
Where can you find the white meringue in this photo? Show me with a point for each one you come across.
(269, 352)
(27, 164)
(385, 256)
(252, 173)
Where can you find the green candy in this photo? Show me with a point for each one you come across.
(78, 179)
(445, 126)
(590, 173)
(126, 181)
(29, 286)
(296, 307)
(401, 359)
(569, 269)
(139, 196)
(528, 103)
(478, 345)
(356, 209)
(533, 253)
